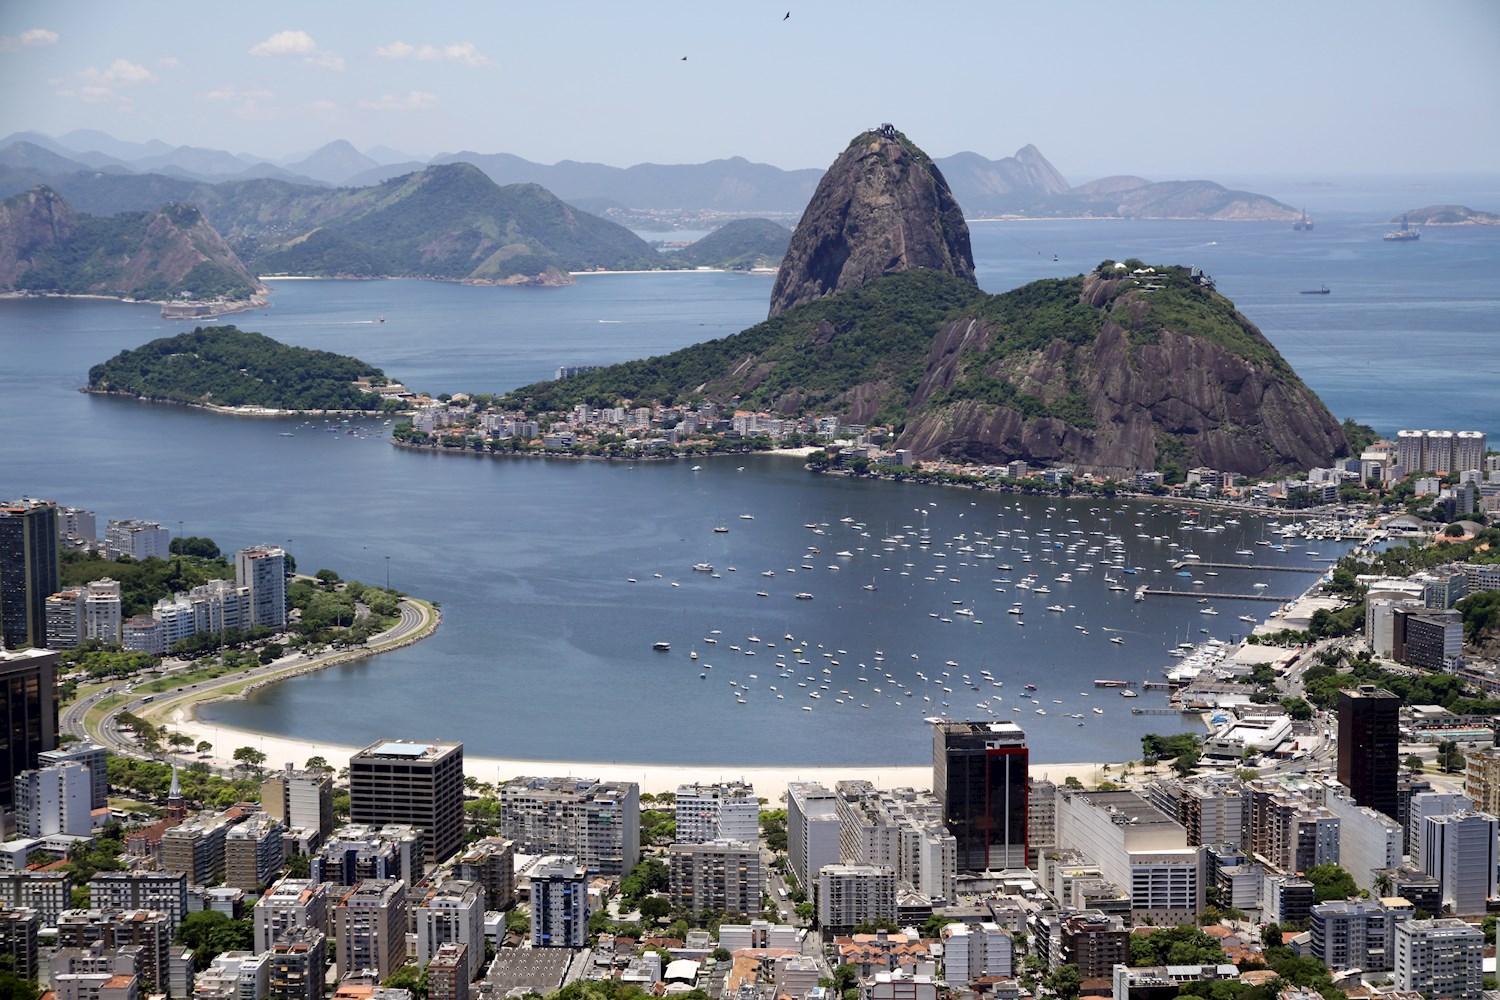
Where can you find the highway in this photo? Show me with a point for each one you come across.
(414, 618)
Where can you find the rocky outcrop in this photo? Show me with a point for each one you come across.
(171, 252)
(883, 207)
(1142, 392)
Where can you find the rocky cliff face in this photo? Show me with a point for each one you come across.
(883, 207)
(30, 222)
(46, 247)
(1178, 380)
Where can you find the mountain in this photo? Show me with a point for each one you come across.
(1448, 215)
(882, 207)
(45, 246)
(25, 155)
(334, 163)
(452, 221)
(731, 185)
(1109, 372)
(739, 245)
(1137, 198)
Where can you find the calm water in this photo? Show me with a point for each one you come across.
(546, 648)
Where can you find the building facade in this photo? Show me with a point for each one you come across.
(728, 810)
(721, 876)
(559, 904)
(1369, 743)
(262, 568)
(30, 571)
(812, 831)
(979, 775)
(1440, 958)
(420, 784)
(370, 928)
(597, 823)
(28, 714)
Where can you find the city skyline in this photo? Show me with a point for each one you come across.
(1302, 91)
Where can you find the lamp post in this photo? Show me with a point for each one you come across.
(387, 572)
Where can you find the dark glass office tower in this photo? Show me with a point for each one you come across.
(1370, 746)
(979, 774)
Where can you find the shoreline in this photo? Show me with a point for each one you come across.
(802, 452)
(770, 781)
(244, 411)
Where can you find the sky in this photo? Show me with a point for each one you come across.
(1168, 91)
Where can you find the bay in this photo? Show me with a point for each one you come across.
(545, 652)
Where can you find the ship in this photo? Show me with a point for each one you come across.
(1303, 224)
(1320, 290)
(1404, 234)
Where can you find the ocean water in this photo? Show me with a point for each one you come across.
(545, 652)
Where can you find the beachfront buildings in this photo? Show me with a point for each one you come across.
(79, 613)
(1439, 451)
(1369, 745)
(302, 801)
(137, 540)
(30, 571)
(28, 714)
(979, 776)
(407, 782)
(598, 823)
(491, 862)
(901, 829)
(559, 904)
(812, 831)
(262, 568)
(728, 810)
(355, 852)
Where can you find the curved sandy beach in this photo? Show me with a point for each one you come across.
(770, 782)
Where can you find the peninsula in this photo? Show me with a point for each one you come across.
(229, 370)
(1448, 215)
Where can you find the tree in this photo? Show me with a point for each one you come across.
(1413, 763)
(204, 746)
(1331, 882)
(1182, 945)
(1270, 935)
(1454, 530)
(1299, 709)
(1065, 982)
(805, 911)
(655, 907)
(318, 764)
(179, 741)
(13, 987)
(408, 977)
(209, 932)
(249, 758)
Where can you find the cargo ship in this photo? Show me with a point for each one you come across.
(1303, 224)
(1404, 234)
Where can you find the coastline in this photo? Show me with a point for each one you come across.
(244, 411)
(770, 781)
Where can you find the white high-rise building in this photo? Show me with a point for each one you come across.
(220, 605)
(728, 810)
(57, 799)
(65, 619)
(101, 611)
(178, 621)
(137, 539)
(1459, 849)
(812, 831)
(1468, 450)
(850, 895)
(1423, 805)
(262, 568)
(1138, 848)
(1442, 958)
(974, 950)
(902, 828)
(74, 524)
(1437, 451)
(92, 756)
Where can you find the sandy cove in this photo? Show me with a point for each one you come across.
(769, 782)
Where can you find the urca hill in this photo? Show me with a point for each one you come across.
(1129, 367)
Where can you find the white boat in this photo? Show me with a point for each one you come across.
(661, 647)
(747, 517)
(804, 597)
(703, 567)
(1117, 639)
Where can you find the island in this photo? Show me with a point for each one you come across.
(741, 245)
(1448, 215)
(228, 370)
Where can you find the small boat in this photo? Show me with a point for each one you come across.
(286, 434)
(693, 655)
(1320, 290)
(703, 567)
(720, 529)
(1117, 639)
(761, 593)
(1247, 618)
(696, 468)
(804, 597)
(747, 517)
(661, 647)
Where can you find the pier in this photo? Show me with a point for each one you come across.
(1163, 711)
(1256, 596)
(1191, 563)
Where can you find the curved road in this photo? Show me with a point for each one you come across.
(414, 618)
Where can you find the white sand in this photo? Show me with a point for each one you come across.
(769, 782)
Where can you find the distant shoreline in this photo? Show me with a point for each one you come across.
(243, 411)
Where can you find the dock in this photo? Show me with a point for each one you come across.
(1164, 711)
(1254, 596)
(1192, 563)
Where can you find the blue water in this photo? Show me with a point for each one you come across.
(545, 649)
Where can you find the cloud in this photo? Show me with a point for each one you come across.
(168, 62)
(231, 94)
(413, 101)
(32, 38)
(95, 85)
(298, 43)
(465, 52)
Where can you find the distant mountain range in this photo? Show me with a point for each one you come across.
(1025, 184)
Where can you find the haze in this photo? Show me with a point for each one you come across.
(1166, 91)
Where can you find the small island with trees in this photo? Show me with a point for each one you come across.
(230, 370)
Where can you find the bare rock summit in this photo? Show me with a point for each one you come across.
(883, 207)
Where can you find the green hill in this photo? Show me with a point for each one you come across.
(226, 366)
(453, 222)
(1110, 372)
(739, 245)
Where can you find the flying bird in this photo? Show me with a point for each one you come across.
(684, 59)
(788, 16)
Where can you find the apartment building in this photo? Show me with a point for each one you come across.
(420, 784)
(721, 876)
(597, 823)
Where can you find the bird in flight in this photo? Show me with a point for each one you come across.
(684, 59)
(788, 16)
